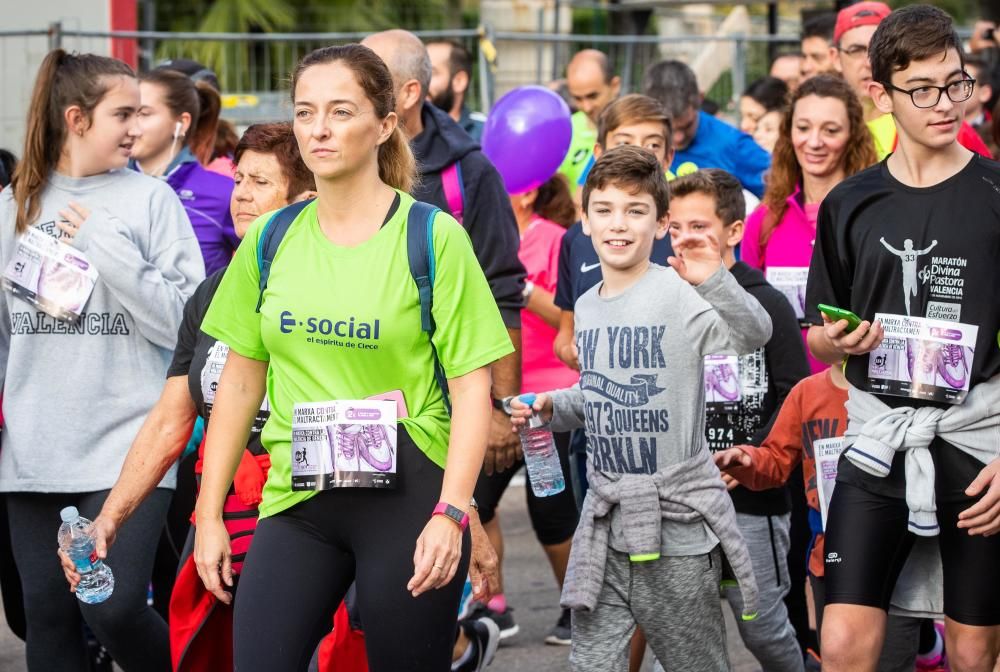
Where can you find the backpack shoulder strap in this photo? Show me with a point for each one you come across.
(454, 189)
(420, 252)
(270, 239)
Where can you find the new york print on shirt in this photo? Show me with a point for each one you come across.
(621, 414)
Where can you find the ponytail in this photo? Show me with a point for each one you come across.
(201, 137)
(397, 166)
(63, 80)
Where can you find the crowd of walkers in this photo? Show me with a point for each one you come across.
(767, 381)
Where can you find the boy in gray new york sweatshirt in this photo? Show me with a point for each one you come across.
(642, 335)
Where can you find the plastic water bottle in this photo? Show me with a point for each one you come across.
(96, 580)
(540, 454)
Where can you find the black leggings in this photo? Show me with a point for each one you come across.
(553, 518)
(134, 634)
(867, 543)
(303, 560)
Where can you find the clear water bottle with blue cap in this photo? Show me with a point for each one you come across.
(540, 455)
(96, 580)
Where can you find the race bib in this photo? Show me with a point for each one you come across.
(50, 275)
(923, 358)
(344, 444)
(827, 452)
(791, 281)
(210, 374)
(723, 391)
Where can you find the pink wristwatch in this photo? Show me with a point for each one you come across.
(459, 517)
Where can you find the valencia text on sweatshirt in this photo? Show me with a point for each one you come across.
(641, 394)
(76, 394)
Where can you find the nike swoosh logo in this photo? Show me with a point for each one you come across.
(589, 267)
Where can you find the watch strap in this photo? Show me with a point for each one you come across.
(455, 514)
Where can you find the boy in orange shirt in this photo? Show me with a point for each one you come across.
(812, 418)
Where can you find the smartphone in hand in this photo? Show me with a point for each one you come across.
(835, 314)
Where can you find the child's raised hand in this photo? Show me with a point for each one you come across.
(522, 408)
(731, 458)
(697, 256)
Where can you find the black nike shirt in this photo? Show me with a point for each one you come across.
(930, 253)
(580, 267)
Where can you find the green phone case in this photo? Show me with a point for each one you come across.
(834, 313)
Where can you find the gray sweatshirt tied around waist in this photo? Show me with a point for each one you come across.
(688, 492)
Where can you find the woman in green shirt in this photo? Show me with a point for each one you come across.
(340, 322)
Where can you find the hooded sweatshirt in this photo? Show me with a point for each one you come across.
(488, 217)
(205, 196)
(75, 395)
(766, 377)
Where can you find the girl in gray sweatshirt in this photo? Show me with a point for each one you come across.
(96, 263)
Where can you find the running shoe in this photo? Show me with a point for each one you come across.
(484, 636)
(952, 365)
(374, 447)
(922, 361)
(561, 633)
(727, 384)
(504, 619)
(934, 662)
(467, 602)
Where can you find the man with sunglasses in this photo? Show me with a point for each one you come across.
(851, 36)
(911, 246)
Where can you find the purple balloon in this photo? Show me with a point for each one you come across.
(526, 136)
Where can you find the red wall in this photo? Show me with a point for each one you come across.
(124, 16)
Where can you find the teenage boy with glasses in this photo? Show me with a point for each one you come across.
(910, 245)
(851, 36)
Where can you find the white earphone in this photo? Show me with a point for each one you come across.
(177, 129)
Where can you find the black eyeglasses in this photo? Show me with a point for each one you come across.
(928, 96)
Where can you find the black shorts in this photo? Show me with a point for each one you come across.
(553, 518)
(867, 543)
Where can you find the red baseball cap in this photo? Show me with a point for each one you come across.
(861, 14)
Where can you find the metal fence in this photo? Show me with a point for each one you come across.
(254, 68)
(260, 63)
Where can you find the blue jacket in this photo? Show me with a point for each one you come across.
(716, 144)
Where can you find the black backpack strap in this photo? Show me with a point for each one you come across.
(420, 251)
(270, 239)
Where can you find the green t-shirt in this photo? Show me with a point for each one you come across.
(344, 323)
(581, 148)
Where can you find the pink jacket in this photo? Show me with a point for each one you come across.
(791, 242)
(541, 370)
(789, 247)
